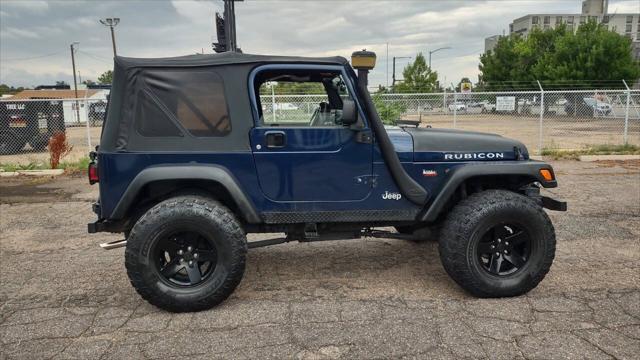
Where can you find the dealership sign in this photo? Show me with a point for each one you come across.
(505, 103)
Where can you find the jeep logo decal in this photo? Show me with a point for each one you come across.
(474, 156)
(391, 196)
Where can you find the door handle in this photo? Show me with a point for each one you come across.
(276, 139)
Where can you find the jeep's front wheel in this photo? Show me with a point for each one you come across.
(497, 243)
(186, 253)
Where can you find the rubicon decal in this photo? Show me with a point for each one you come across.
(391, 196)
(475, 156)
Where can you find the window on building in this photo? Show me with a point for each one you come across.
(628, 28)
(534, 20)
(558, 20)
(629, 19)
(570, 20)
(583, 19)
(605, 19)
(547, 19)
(593, 18)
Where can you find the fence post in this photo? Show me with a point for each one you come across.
(455, 107)
(626, 114)
(273, 102)
(86, 112)
(444, 100)
(541, 118)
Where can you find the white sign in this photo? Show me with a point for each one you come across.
(505, 103)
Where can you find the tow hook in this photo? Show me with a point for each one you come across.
(114, 244)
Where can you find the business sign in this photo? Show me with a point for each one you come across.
(505, 103)
(465, 87)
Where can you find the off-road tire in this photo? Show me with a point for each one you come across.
(214, 219)
(460, 234)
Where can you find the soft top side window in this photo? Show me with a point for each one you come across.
(193, 100)
(300, 97)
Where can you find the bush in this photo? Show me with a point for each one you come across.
(389, 112)
(58, 148)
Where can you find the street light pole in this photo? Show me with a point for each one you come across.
(393, 76)
(111, 23)
(436, 50)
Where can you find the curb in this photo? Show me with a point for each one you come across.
(50, 172)
(608, 157)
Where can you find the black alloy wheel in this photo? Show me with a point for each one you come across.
(185, 258)
(504, 249)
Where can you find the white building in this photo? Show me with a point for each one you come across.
(624, 24)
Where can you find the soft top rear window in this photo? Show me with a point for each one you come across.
(189, 99)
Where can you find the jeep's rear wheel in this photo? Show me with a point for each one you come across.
(497, 243)
(186, 253)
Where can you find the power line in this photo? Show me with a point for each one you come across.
(95, 57)
(33, 57)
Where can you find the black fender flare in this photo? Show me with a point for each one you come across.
(467, 171)
(207, 172)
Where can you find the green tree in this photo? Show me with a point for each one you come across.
(106, 77)
(6, 89)
(559, 56)
(592, 55)
(418, 77)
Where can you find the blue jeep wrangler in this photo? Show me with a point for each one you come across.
(191, 160)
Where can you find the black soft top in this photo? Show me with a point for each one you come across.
(226, 58)
(146, 95)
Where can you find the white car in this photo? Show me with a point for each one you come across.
(457, 107)
(599, 107)
(488, 107)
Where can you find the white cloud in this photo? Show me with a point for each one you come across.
(15, 33)
(30, 29)
(28, 5)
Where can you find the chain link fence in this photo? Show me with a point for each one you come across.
(540, 119)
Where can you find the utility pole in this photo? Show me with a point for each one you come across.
(226, 28)
(436, 50)
(111, 23)
(393, 76)
(75, 81)
(387, 65)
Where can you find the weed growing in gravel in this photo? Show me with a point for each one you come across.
(605, 149)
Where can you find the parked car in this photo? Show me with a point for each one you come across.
(457, 106)
(186, 181)
(488, 107)
(588, 107)
(599, 107)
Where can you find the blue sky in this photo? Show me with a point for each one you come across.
(35, 35)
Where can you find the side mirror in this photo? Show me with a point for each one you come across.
(349, 112)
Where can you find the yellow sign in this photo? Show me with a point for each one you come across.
(465, 87)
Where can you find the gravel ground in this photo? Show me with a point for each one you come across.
(61, 296)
